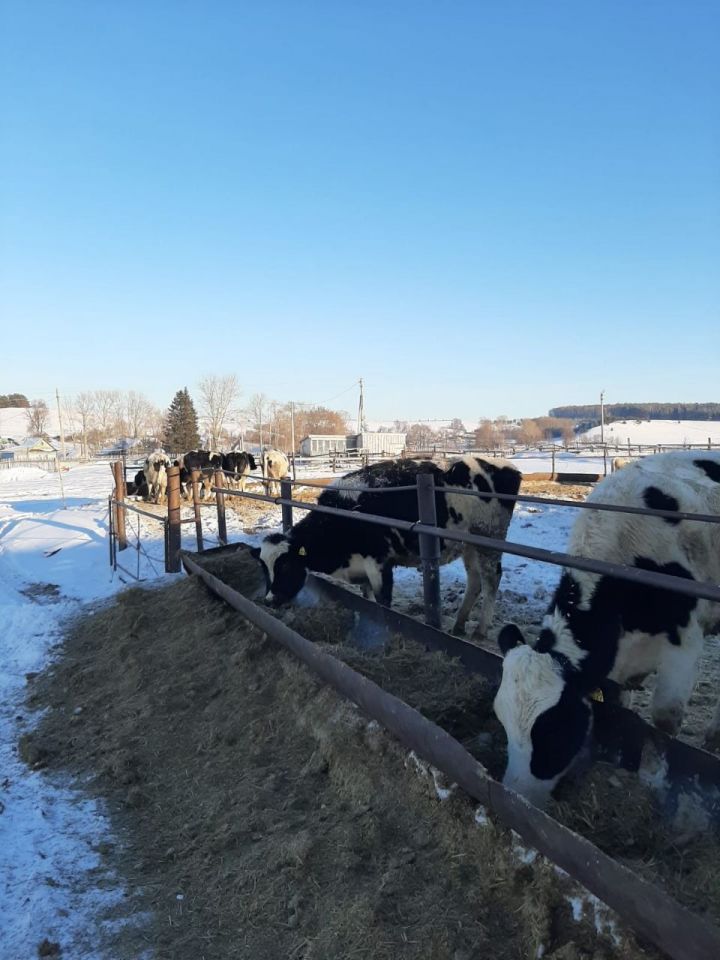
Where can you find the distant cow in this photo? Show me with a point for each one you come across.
(598, 628)
(366, 553)
(156, 475)
(275, 466)
(201, 459)
(620, 462)
(137, 487)
(237, 465)
(204, 460)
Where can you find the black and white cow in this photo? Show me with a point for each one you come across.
(156, 475)
(137, 487)
(237, 465)
(598, 628)
(366, 553)
(206, 462)
(275, 466)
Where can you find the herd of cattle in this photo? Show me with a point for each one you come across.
(150, 483)
(599, 632)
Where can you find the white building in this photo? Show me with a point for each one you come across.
(387, 444)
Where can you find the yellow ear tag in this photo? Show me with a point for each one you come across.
(302, 552)
(597, 696)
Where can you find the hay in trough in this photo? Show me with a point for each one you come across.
(289, 825)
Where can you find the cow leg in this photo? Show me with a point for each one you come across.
(473, 585)
(676, 678)
(377, 581)
(490, 574)
(712, 734)
(387, 586)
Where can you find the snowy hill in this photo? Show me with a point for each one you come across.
(14, 422)
(652, 432)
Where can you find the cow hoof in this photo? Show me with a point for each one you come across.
(458, 630)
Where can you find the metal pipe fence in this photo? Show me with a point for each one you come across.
(649, 578)
(527, 498)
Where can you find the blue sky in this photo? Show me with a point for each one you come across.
(478, 207)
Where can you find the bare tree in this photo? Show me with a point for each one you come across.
(217, 395)
(529, 433)
(37, 416)
(85, 413)
(137, 413)
(257, 413)
(105, 406)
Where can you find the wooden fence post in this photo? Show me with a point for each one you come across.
(174, 540)
(220, 500)
(552, 469)
(195, 479)
(709, 443)
(429, 548)
(119, 474)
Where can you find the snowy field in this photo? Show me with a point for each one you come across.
(655, 432)
(54, 561)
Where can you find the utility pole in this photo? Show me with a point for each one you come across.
(360, 409)
(62, 432)
(292, 435)
(602, 417)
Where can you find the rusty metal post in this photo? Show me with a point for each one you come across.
(220, 501)
(429, 548)
(111, 530)
(119, 474)
(172, 555)
(195, 478)
(287, 513)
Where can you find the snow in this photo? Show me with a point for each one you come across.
(53, 882)
(53, 560)
(656, 432)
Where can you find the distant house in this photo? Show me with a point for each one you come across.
(390, 444)
(32, 448)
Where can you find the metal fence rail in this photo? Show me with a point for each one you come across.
(649, 578)
(528, 498)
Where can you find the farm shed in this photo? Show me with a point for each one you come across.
(391, 444)
(318, 443)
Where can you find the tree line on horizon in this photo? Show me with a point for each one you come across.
(638, 411)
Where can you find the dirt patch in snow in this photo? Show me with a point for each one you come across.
(263, 817)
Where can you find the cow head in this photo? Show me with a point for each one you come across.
(251, 462)
(547, 718)
(284, 565)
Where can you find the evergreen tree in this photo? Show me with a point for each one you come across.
(181, 426)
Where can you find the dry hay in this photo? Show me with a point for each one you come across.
(290, 826)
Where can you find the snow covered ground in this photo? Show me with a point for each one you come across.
(53, 560)
(655, 432)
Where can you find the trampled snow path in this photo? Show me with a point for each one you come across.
(53, 882)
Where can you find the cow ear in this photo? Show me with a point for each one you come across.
(510, 636)
(302, 552)
(255, 553)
